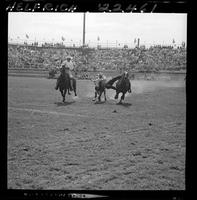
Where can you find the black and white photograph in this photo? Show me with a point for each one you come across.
(96, 101)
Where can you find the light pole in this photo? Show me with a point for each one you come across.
(84, 18)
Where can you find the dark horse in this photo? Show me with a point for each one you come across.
(64, 84)
(123, 85)
(99, 90)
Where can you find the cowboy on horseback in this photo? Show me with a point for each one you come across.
(66, 66)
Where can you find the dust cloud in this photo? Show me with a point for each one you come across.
(149, 86)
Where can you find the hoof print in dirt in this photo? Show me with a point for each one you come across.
(114, 111)
(150, 124)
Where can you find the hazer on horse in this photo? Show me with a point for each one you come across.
(123, 85)
(66, 81)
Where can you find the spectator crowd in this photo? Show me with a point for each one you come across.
(154, 58)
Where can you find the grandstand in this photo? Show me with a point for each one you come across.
(46, 57)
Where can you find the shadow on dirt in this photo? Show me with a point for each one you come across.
(64, 103)
(124, 104)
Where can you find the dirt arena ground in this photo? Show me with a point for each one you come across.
(139, 145)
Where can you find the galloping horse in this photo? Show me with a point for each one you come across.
(123, 85)
(64, 84)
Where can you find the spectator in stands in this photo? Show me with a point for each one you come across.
(155, 57)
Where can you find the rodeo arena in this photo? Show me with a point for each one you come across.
(96, 118)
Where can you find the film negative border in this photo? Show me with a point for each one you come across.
(173, 6)
(104, 195)
(128, 6)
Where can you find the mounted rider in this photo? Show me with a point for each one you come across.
(66, 66)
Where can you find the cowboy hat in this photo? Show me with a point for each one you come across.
(68, 57)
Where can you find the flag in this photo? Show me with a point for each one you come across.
(63, 38)
(98, 38)
(27, 36)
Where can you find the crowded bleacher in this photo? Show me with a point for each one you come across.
(154, 58)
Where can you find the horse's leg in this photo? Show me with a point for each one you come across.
(71, 84)
(129, 90)
(99, 98)
(95, 96)
(57, 83)
(65, 90)
(63, 97)
(74, 87)
(117, 93)
(95, 93)
(122, 98)
(65, 94)
(61, 92)
(69, 92)
(105, 95)
(68, 88)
